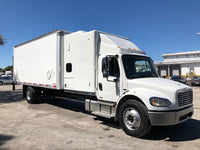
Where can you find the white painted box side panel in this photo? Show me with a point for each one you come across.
(35, 62)
(79, 50)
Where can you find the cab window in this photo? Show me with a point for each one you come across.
(113, 67)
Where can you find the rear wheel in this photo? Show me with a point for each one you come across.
(1, 83)
(31, 95)
(133, 118)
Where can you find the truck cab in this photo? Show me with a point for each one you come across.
(130, 90)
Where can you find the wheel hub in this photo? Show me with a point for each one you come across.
(132, 119)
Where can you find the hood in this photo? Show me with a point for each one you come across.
(145, 88)
(159, 85)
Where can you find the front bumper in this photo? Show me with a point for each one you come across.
(165, 118)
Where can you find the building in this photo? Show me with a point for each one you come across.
(183, 64)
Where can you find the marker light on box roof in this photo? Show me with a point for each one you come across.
(133, 49)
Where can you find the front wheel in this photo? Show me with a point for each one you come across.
(133, 118)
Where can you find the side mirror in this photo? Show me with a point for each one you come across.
(105, 69)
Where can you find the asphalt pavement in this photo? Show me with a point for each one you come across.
(63, 125)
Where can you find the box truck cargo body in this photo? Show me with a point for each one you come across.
(107, 72)
(38, 62)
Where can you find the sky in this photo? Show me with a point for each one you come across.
(155, 26)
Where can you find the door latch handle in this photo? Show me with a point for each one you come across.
(100, 87)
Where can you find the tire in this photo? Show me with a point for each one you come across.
(133, 118)
(1, 83)
(31, 95)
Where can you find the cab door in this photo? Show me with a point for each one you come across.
(108, 78)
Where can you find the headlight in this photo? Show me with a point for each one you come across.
(159, 102)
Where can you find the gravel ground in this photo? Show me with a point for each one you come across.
(60, 124)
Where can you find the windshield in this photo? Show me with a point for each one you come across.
(138, 67)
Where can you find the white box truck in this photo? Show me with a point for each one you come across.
(108, 73)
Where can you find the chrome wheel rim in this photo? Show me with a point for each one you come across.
(131, 118)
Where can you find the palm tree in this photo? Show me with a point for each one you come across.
(2, 40)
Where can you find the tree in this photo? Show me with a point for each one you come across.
(8, 68)
(2, 40)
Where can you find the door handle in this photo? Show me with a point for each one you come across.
(100, 87)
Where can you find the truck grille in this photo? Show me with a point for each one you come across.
(184, 97)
